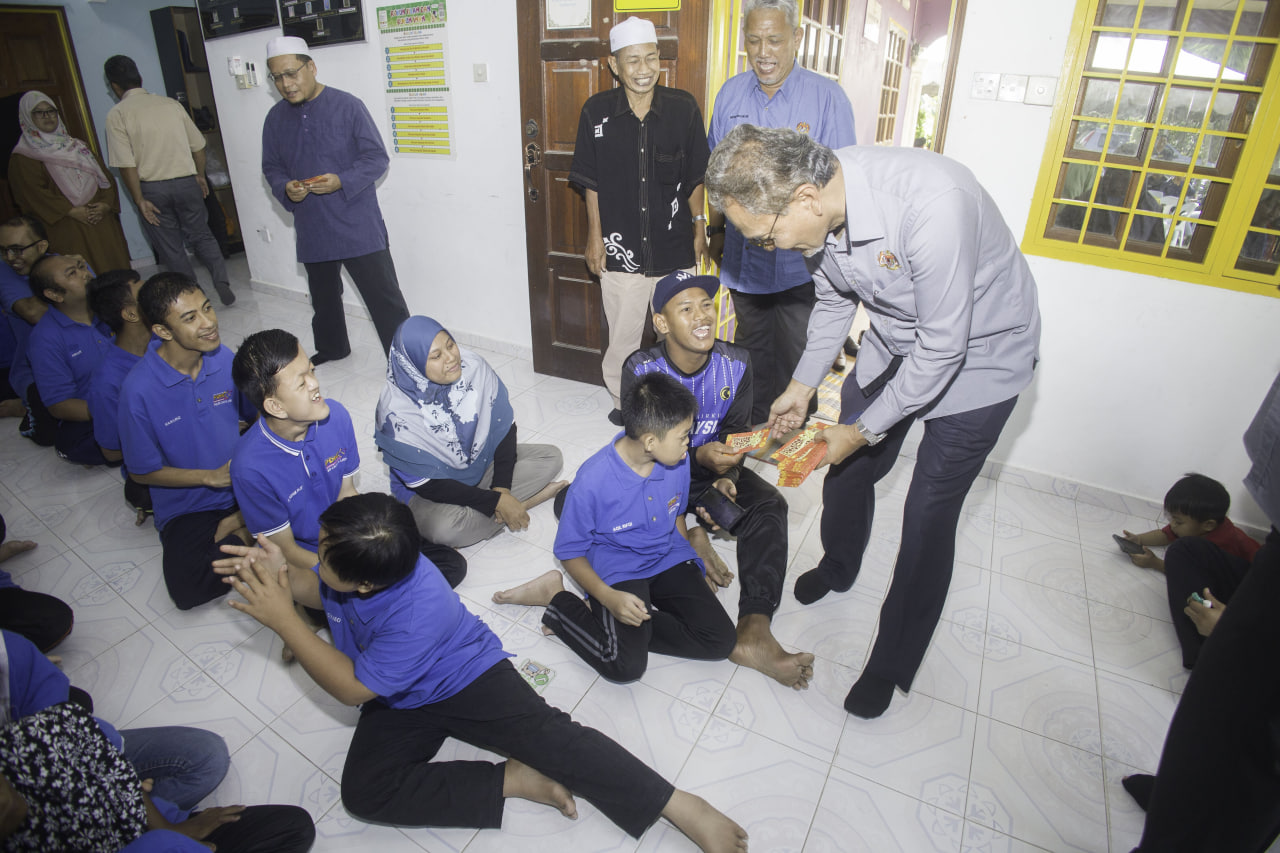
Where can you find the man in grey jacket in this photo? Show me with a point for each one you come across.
(955, 331)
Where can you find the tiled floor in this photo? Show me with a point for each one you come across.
(1052, 675)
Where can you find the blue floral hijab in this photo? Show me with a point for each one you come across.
(432, 431)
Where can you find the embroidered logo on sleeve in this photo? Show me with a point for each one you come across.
(887, 260)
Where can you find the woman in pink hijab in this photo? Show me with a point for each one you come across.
(59, 181)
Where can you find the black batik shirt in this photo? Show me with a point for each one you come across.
(644, 173)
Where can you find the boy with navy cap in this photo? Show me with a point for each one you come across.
(719, 376)
(623, 539)
(180, 417)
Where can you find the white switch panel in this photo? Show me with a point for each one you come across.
(1040, 90)
(480, 72)
(1013, 87)
(985, 86)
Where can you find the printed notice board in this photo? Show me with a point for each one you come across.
(415, 52)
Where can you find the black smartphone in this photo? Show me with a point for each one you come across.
(1127, 545)
(723, 510)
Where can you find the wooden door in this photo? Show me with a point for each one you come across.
(36, 53)
(559, 70)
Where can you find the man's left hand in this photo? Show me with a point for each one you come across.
(715, 456)
(701, 256)
(842, 442)
(324, 184)
(204, 186)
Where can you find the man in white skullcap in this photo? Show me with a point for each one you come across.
(321, 155)
(639, 158)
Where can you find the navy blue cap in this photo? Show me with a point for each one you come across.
(678, 282)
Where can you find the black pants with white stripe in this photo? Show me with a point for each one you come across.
(685, 620)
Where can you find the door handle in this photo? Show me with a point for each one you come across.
(532, 159)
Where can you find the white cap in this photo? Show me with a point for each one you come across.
(632, 31)
(285, 45)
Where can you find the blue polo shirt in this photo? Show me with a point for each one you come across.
(104, 395)
(625, 524)
(807, 102)
(64, 353)
(282, 484)
(413, 643)
(12, 288)
(166, 419)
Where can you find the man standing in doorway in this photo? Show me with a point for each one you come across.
(955, 335)
(321, 155)
(640, 155)
(772, 290)
(160, 155)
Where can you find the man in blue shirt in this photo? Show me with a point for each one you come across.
(718, 374)
(301, 455)
(424, 668)
(23, 241)
(113, 298)
(322, 156)
(64, 348)
(772, 290)
(180, 417)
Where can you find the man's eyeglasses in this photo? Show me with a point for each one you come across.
(766, 242)
(15, 251)
(44, 113)
(286, 75)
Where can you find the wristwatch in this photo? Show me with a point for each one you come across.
(713, 230)
(871, 438)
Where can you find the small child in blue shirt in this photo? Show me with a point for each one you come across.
(623, 539)
(424, 668)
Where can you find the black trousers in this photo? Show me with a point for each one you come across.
(762, 542)
(773, 328)
(188, 554)
(266, 829)
(685, 621)
(949, 459)
(73, 440)
(1190, 565)
(375, 277)
(389, 776)
(450, 563)
(41, 618)
(1218, 784)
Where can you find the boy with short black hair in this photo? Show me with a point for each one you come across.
(623, 539)
(425, 669)
(64, 348)
(1205, 551)
(180, 416)
(301, 456)
(113, 298)
(719, 376)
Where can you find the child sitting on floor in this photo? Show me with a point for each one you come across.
(623, 539)
(1205, 551)
(425, 669)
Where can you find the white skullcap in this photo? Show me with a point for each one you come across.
(632, 31)
(286, 45)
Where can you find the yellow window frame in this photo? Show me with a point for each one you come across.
(1261, 141)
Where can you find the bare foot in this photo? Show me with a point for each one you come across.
(14, 547)
(141, 518)
(537, 592)
(521, 780)
(718, 574)
(12, 409)
(758, 649)
(233, 523)
(706, 827)
(548, 492)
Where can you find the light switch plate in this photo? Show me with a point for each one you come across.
(1013, 87)
(1040, 91)
(985, 86)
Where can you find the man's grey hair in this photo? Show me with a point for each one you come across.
(761, 167)
(789, 8)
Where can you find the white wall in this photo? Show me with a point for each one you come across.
(1142, 378)
(456, 226)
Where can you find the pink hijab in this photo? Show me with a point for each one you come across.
(70, 162)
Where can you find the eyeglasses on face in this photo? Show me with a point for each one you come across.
(766, 242)
(286, 75)
(15, 251)
(44, 113)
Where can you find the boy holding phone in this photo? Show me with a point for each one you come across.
(1206, 551)
(718, 374)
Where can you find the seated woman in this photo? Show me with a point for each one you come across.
(447, 432)
(58, 180)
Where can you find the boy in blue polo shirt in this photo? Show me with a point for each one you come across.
(623, 539)
(180, 418)
(301, 455)
(113, 298)
(64, 348)
(426, 669)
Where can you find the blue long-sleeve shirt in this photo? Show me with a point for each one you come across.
(332, 133)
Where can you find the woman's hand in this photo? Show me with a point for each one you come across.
(511, 511)
(83, 215)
